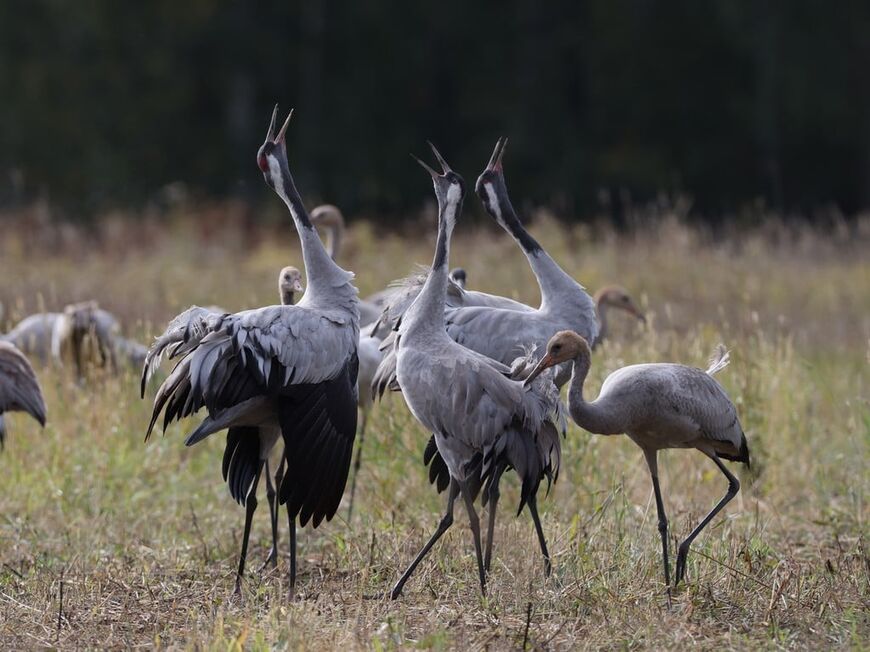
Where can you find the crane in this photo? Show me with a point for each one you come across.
(659, 406)
(483, 422)
(294, 366)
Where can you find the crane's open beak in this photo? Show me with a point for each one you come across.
(445, 167)
(279, 137)
(494, 164)
(544, 363)
(426, 167)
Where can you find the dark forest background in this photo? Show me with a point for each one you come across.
(732, 102)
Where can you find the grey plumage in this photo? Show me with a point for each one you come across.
(19, 388)
(482, 421)
(290, 366)
(658, 406)
(501, 328)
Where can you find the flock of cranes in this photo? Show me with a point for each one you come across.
(483, 373)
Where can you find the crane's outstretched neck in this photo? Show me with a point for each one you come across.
(554, 283)
(328, 284)
(593, 417)
(427, 311)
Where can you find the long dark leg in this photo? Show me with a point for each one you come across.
(292, 522)
(356, 464)
(653, 464)
(273, 510)
(733, 488)
(532, 502)
(474, 522)
(250, 508)
(492, 503)
(445, 523)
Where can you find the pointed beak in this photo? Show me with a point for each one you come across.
(544, 363)
(279, 137)
(271, 130)
(426, 167)
(494, 164)
(444, 166)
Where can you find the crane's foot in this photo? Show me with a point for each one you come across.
(271, 559)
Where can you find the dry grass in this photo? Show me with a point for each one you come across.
(142, 540)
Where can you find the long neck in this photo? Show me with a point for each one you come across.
(287, 297)
(590, 416)
(333, 241)
(601, 309)
(325, 278)
(552, 280)
(427, 312)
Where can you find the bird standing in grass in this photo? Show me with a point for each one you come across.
(19, 389)
(658, 406)
(294, 367)
(483, 422)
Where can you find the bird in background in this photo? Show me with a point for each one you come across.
(19, 388)
(483, 422)
(613, 297)
(658, 406)
(291, 369)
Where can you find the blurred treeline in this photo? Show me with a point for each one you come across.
(732, 102)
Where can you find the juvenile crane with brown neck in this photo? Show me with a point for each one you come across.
(658, 406)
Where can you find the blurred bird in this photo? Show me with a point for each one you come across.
(19, 388)
(617, 298)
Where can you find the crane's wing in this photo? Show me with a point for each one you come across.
(19, 388)
(401, 294)
(306, 362)
(498, 333)
(695, 395)
(231, 358)
(188, 328)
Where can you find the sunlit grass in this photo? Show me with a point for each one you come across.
(144, 538)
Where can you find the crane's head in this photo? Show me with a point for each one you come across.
(490, 185)
(290, 280)
(449, 186)
(458, 276)
(562, 347)
(272, 156)
(614, 296)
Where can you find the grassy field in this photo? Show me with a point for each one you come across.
(141, 541)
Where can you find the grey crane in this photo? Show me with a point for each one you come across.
(289, 285)
(294, 366)
(483, 422)
(501, 328)
(617, 298)
(19, 388)
(658, 406)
